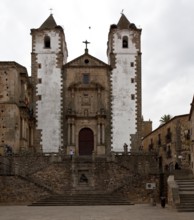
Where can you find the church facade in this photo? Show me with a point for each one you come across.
(85, 105)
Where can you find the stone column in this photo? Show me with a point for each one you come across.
(73, 133)
(69, 133)
(98, 134)
(103, 131)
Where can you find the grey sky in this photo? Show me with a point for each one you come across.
(167, 41)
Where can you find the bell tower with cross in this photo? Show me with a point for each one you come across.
(49, 54)
(124, 56)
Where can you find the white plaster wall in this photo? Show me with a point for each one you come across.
(49, 107)
(123, 107)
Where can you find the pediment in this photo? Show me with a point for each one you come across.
(86, 60)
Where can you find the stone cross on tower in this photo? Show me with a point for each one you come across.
(86, 42)
(51, 11)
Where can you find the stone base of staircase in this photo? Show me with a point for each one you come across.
(82, 200)
(186, 192)
(187, 203)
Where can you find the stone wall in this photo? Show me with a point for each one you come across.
(14, 190)
(136, 191)
(28, 164)
(40, 176)
(56, 177)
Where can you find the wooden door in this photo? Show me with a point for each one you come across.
(86, 141)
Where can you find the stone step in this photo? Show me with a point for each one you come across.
(191, 204)
(185, 201)
(82, 200)
(186, 192)
(187, 196)
(187, 207)
(186, 189)
(186, 186)
(186, 174)
(185, 183)
(185, 180)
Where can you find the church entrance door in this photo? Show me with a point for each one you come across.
(86, 141)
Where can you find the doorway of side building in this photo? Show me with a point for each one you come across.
(86, 141)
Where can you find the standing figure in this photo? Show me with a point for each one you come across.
(71, 153)
(163, 201)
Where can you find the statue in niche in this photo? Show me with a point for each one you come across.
(102, 111)
(85, 100)
(83, 178)
(69, 111)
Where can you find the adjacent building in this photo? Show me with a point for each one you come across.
(172, 143)
(191, 119)
(16, 115)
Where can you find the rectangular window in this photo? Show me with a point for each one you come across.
(133, 97)
(86, 78)
(132, 64)
(159, 139)
(39, 97)
(132, 80)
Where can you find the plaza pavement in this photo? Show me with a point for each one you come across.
(132, 212)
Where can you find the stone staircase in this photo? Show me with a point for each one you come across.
(83, 200)
(186, 194)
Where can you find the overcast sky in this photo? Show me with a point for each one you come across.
(167, 41)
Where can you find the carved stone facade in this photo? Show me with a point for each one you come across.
(86, 98)
(16, 115)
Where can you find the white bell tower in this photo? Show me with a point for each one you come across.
(124, 56)
(49, 54)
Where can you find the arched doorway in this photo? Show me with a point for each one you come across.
(86, 141)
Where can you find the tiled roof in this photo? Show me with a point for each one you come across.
(123, 22)
(49, 23)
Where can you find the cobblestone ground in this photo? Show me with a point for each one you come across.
(133, 212)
